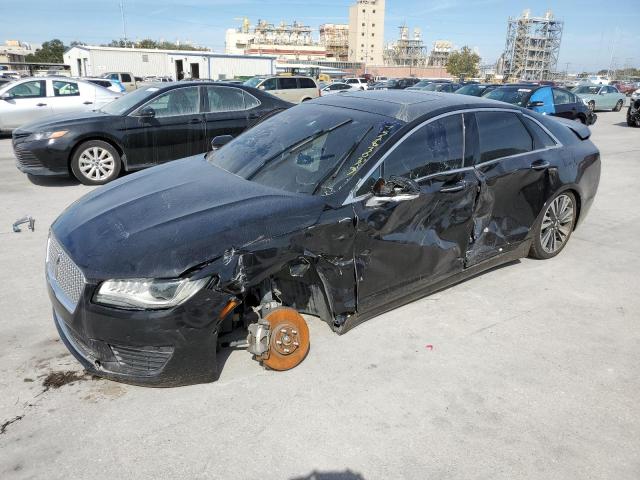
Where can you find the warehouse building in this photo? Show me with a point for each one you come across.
(87, 60)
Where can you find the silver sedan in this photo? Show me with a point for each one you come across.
(31, 99)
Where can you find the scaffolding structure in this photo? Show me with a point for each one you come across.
(335, 38)
(406, 52)
(282, 34)
(440, 53)
(532, 47)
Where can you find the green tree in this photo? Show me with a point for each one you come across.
(51, 52)
(463, 63)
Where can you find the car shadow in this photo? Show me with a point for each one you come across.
(346, 475)
(229, 345)
(53, 181)
(621, 124)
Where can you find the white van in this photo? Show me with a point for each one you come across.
(293, 89)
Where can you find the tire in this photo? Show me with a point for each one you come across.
(551, 234)
(96, 162)
(618, 106)
(592, 106)
(581, 119)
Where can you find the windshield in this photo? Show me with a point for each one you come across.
(310, 149)
(128, 101)
(422, 83)
(434, 87)
(390, 83)
(253, 82)
(514, 96)
(587, 90)
(471, 89)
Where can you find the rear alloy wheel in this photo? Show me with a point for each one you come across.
(554, 228)
(618, 106)
(95, 163)
(591, 105)
(289, 339)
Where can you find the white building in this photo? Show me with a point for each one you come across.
(86, 60)
(366, 32)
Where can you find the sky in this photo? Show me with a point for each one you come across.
(592, 29)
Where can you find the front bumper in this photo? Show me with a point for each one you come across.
(148, 347)
(41, 157)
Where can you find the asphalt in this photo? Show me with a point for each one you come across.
(530, 371)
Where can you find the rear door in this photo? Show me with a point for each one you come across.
(513, 167)
(28, 103)
(68, 97)
(176, 131)
(228, 111)
(565, 103)
(288, 88)
(405, 242)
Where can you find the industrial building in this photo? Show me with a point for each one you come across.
(335, 38)
(406, 51)
(366, 32)
(440, 53)
(86, 60)
(284, 41)
(532, 47)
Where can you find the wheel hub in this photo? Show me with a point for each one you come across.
(286, 340)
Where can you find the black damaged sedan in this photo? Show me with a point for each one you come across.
(152, 125)
(339, 208)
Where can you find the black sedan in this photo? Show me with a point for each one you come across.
(342, 207)
(477, 89)
(396, 84)
(149, 126)
(544, 99)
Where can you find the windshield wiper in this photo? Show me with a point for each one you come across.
(334, 173)
(299, 144)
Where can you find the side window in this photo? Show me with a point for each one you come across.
(541, 139)
(113, 76)
(436, 147)
(612, 90)
(501, 135)
(181, 101)
(287, 83)
(307, 83)
(250, 101)
(225, 99)
(125, 78)
(270, 84)
(352, 81)
(65, 89)
(32, 89)
(561, 97)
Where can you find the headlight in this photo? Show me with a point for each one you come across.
(46, 135)
(148, 293)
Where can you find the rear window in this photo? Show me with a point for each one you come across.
(501, 134)
(514, 96)
(307, 83)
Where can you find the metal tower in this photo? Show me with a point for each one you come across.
(532, 47)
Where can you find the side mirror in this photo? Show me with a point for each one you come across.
(219, 141)
(537, 103)
(147, 113)
(6, 96)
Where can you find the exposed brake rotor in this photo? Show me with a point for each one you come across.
(288, 339)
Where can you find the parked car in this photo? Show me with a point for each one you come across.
(338, 88)
(33, 99)
(125, 78)
(477, 89)
(397, 83)
(546, 100)
(633, 114)
(635, 95)
(624, 87)
(601, 97)
(146, 127)
(445, 87)
(343, 207)
(293, 89)
(359, 83)
(109, 84)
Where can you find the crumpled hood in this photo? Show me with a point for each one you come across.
(165, 220)
(66, 120)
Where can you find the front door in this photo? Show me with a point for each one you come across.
(418, 235)
(176, 131)
(228, 111)
(514, 175)
(28, 103)
(541, 101)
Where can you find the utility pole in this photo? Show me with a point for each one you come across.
(124, 23)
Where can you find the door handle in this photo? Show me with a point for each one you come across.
(41, 105)
(195, 120)
(87, 103)
(461, 185)
(540, 165)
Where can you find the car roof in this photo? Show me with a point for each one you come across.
(408, 105)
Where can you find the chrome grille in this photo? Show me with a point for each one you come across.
(66, 278)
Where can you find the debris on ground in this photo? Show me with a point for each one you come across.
(59, 379)
(3, 427)
(28, 219)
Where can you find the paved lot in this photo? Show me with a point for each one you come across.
(534, 371)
